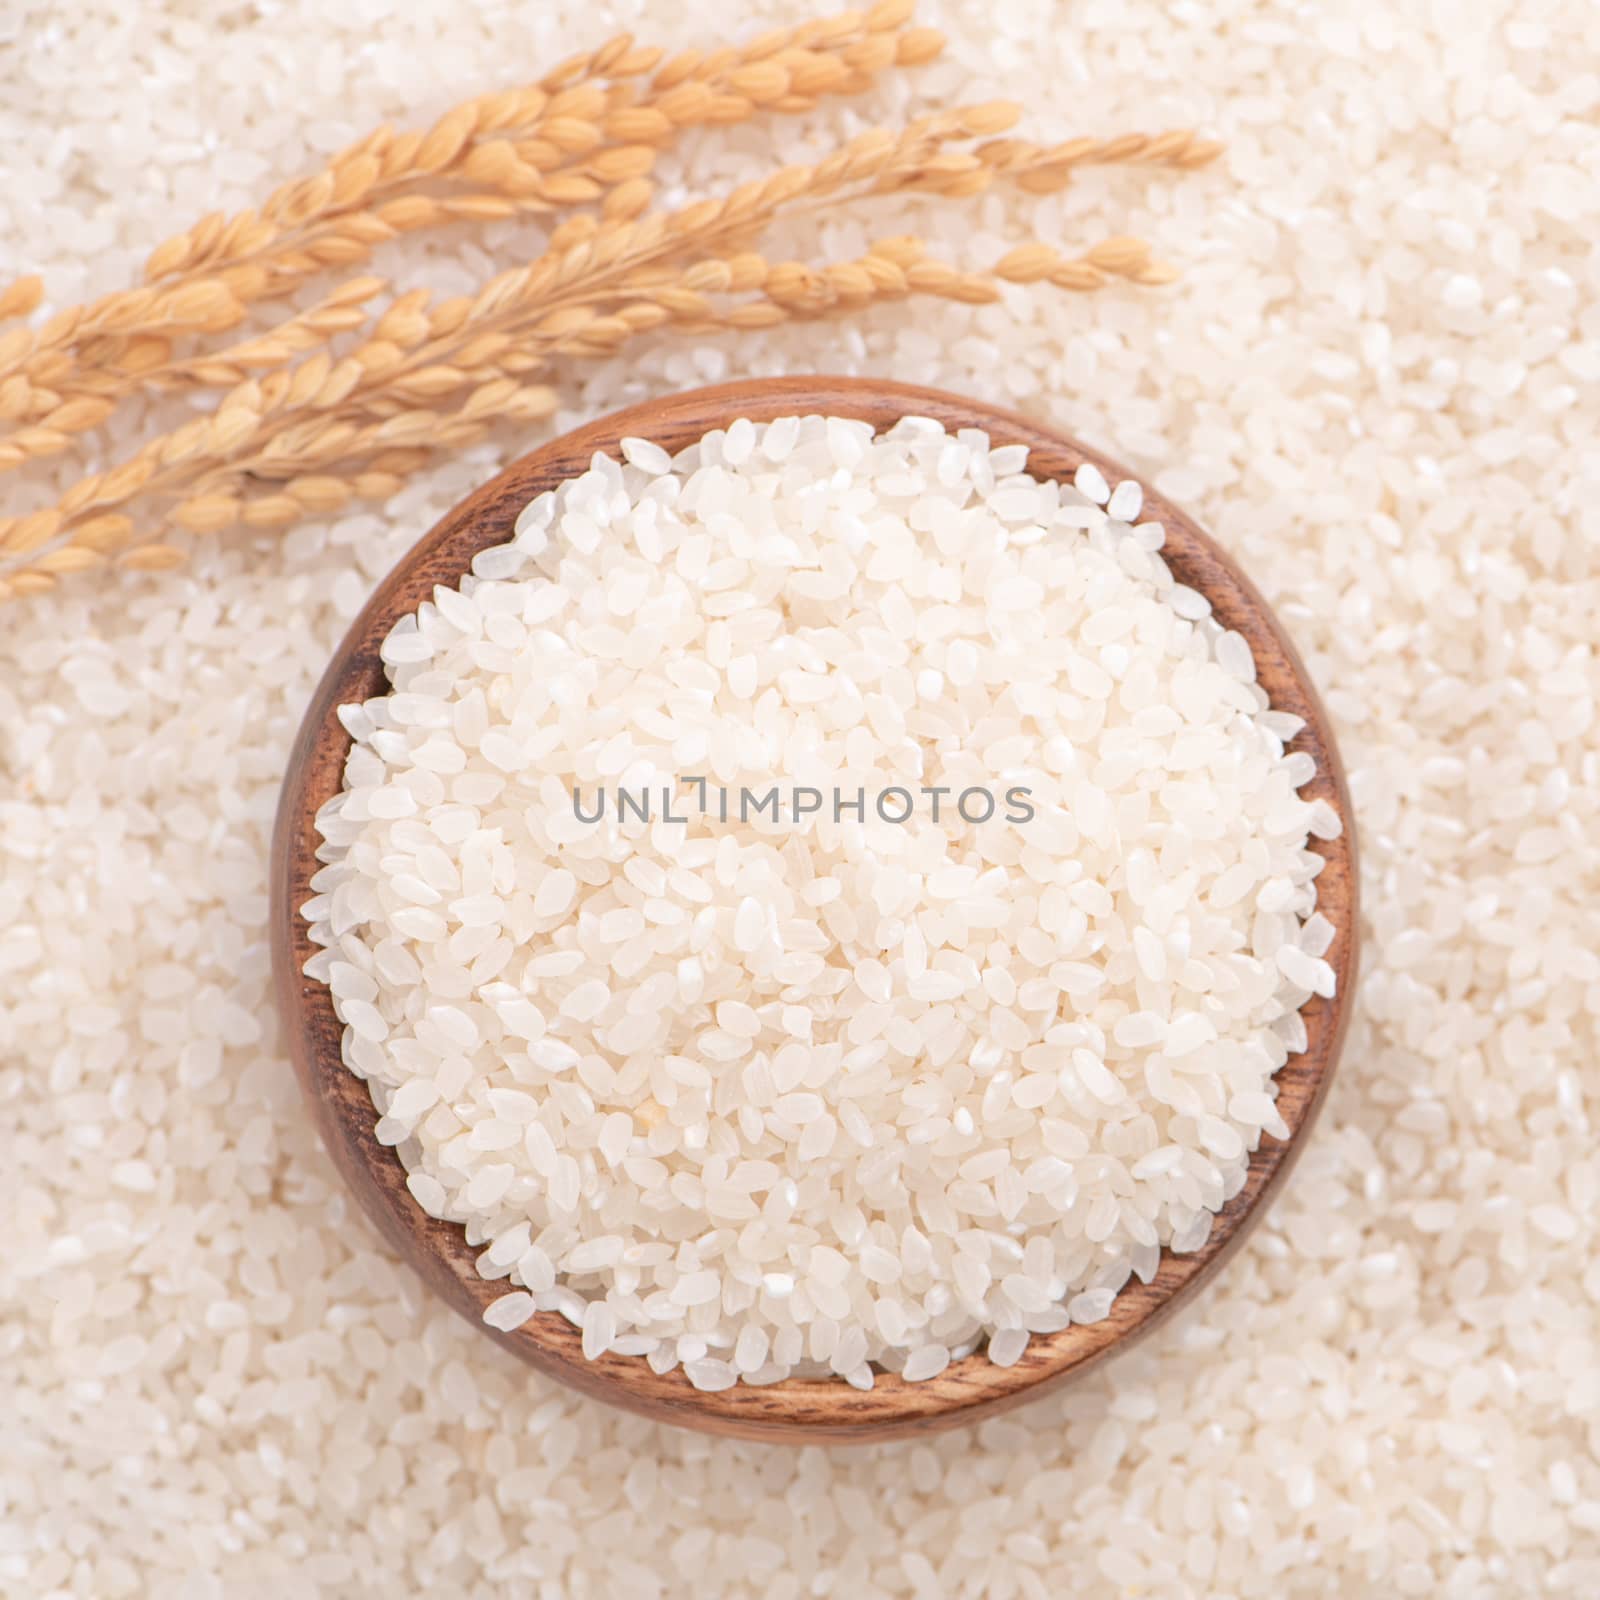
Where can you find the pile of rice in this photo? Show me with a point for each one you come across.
(815, 1088)
(1377, 380)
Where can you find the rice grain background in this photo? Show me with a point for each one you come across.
(1376, 383)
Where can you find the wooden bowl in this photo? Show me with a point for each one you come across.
(805, 1411)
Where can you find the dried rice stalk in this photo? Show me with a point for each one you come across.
(302, 430)
(559, 143)
(1043, 169)
(409, 348)
(279, 472)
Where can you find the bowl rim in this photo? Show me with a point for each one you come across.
(804, 1411)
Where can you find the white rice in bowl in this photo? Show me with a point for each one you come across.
(758, 1084)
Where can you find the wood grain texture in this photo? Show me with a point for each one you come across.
(811, 1411)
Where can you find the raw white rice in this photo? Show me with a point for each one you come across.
(820, 1089)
